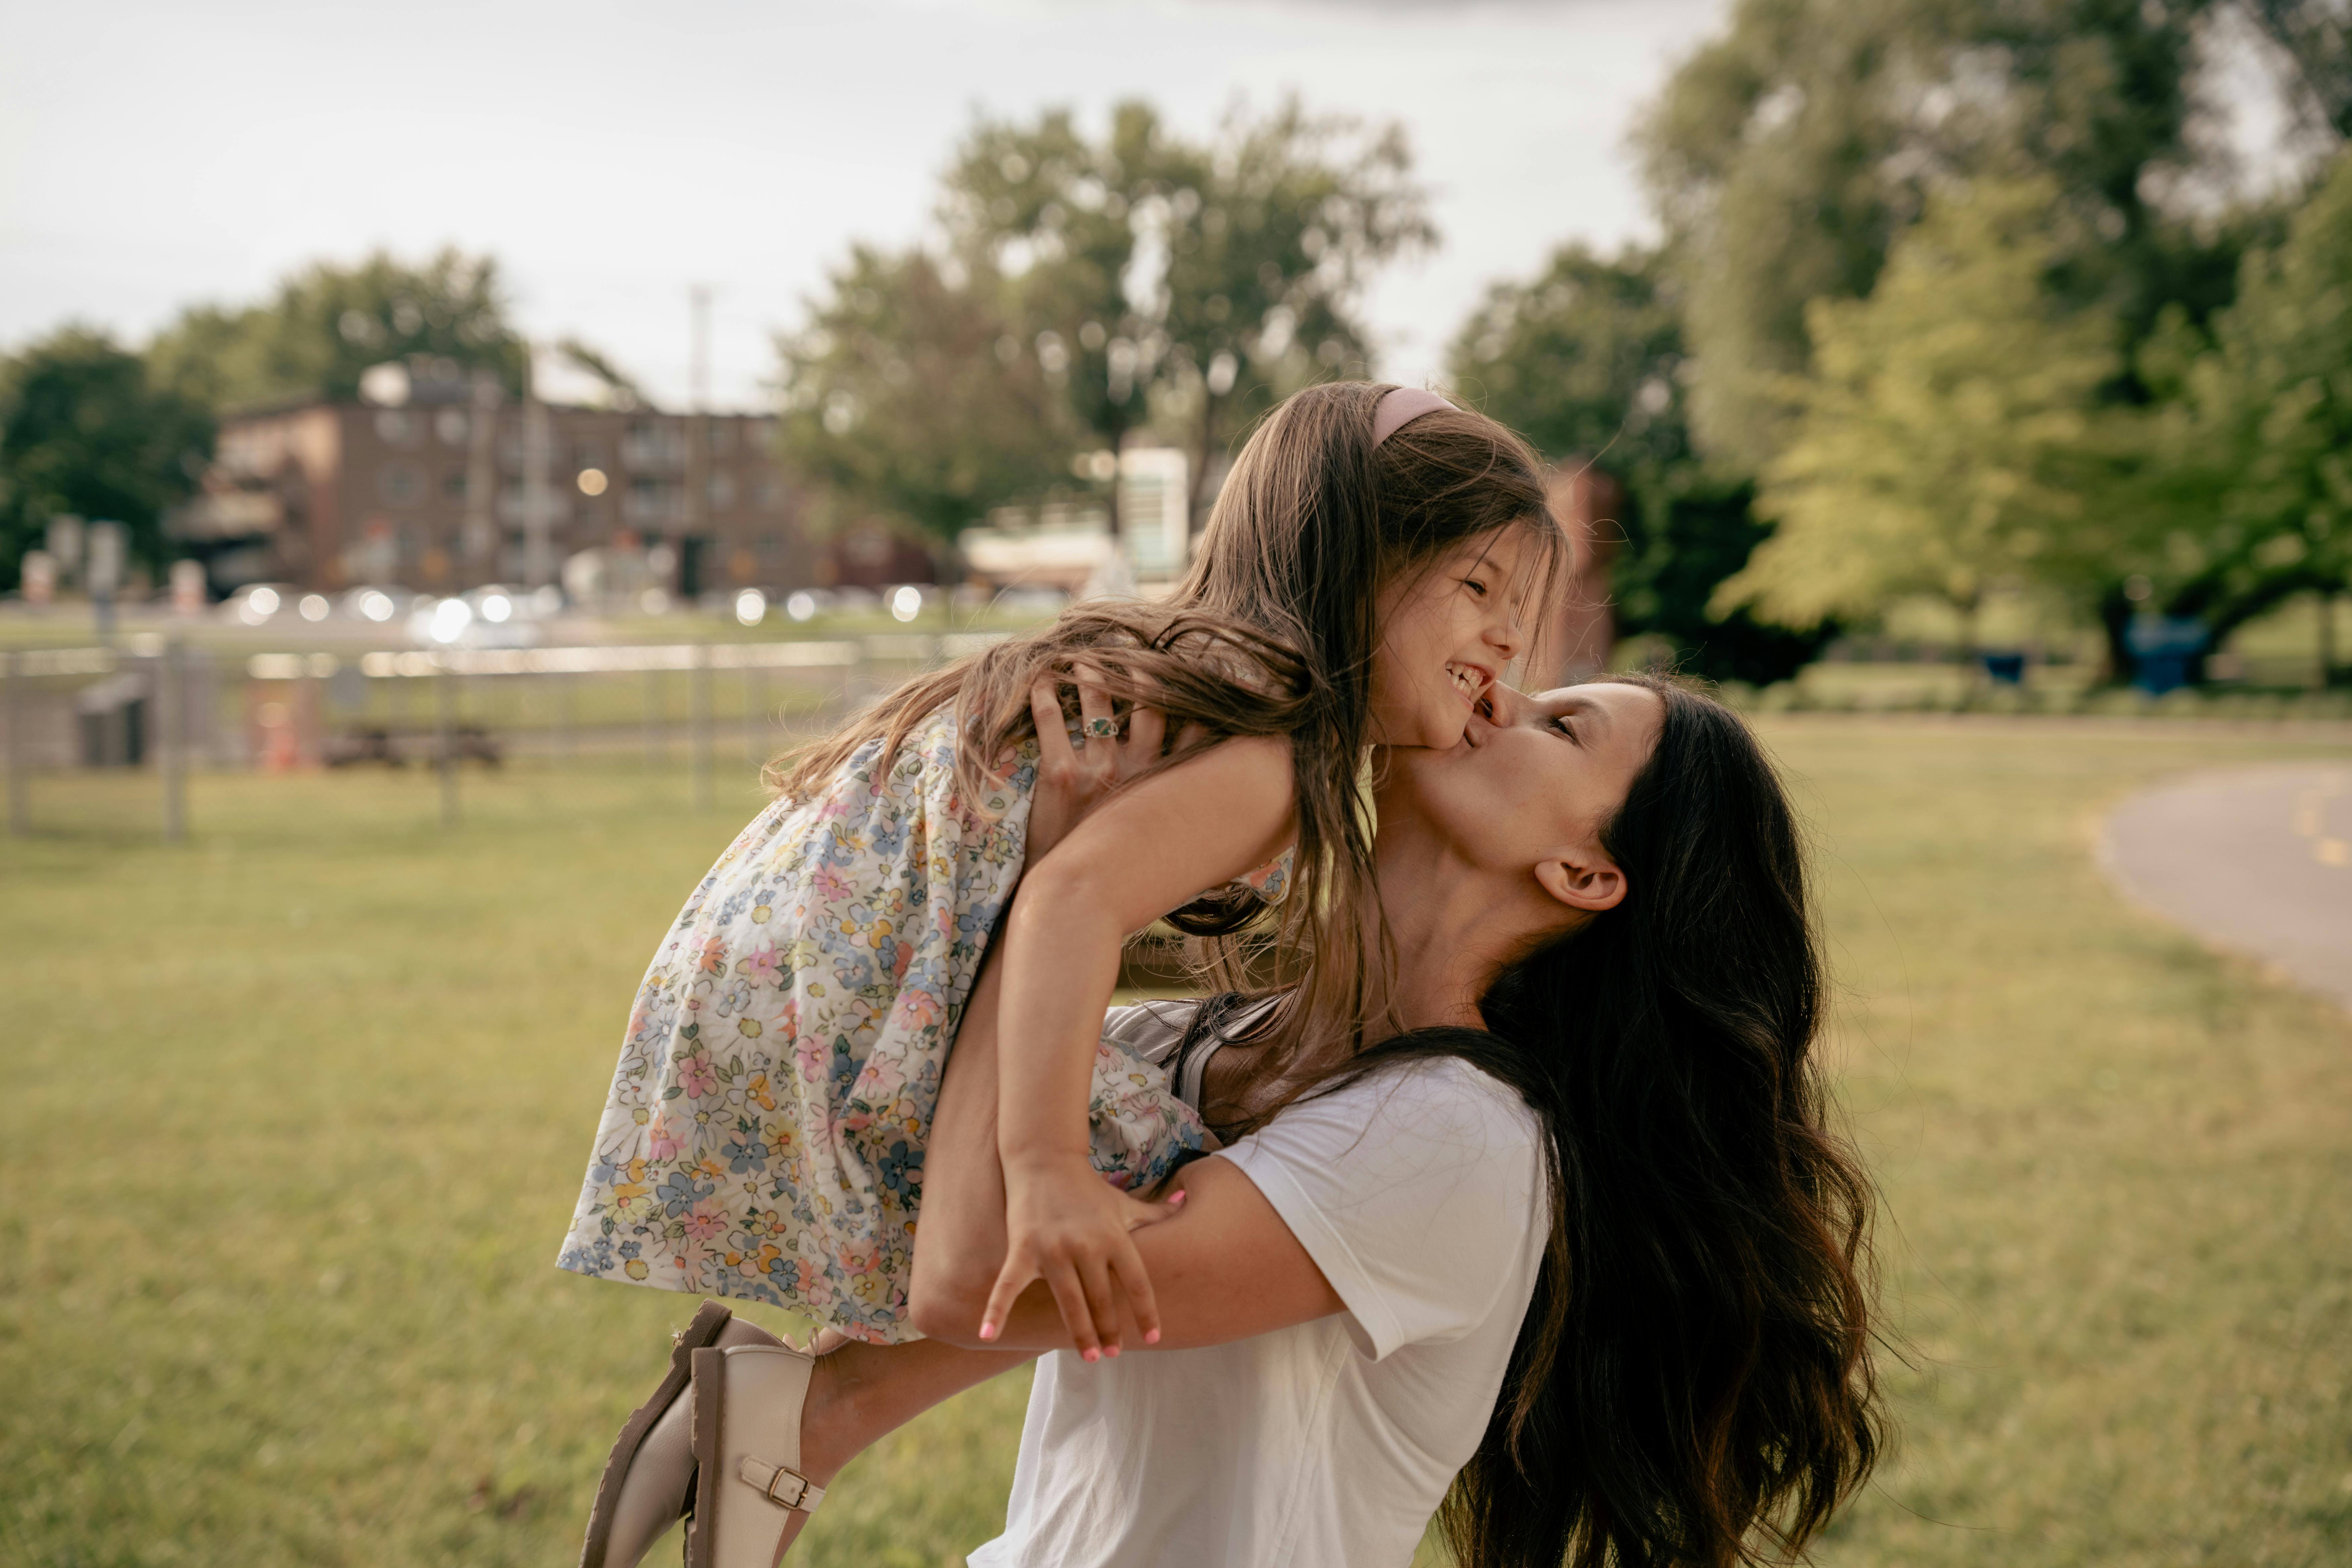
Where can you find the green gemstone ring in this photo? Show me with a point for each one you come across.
(1104, 728)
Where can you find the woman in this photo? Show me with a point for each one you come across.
(1570, 1261)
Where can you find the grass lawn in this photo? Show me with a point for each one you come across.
(296, 1113)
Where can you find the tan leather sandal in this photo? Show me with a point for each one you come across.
(648, 1479)
(747, 1454)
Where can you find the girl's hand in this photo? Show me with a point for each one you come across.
(1071, 781)
(1067, 1226)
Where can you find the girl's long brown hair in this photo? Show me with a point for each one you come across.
(1271, 632)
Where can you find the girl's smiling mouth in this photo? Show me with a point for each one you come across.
(1470, 681)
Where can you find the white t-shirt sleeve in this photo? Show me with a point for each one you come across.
(1418, 1191)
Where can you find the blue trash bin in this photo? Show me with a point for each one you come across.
(2162, 646)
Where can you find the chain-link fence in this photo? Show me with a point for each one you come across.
(160, 710)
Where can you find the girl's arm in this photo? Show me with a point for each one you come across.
(1149, 848)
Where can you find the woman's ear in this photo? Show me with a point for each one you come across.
(1589, 881)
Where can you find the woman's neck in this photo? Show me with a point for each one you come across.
(1449, 924)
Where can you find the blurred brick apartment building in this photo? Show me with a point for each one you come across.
(332, 495)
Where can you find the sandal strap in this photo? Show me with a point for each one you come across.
(786, 1489)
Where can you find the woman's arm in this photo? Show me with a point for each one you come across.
(1147, 849)
(1224, 1268)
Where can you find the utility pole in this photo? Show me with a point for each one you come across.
(444, 735)
(537, 567)
(19, 815)
(700, 699)
(479, 548)
(691, 521)
(171, 759)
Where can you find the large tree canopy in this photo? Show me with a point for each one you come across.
(2250, 448)
(907, 393)
(1219, 275)
(1083, 289)
(1950, 438)
(1787, 156)
(85, 430)
(2315, 37)
(329, 323)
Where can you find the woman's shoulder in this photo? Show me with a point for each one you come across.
(1438, 1095)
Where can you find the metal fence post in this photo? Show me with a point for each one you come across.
(653, 729)
(755, 712)
(172, 760)
(700, 699)
(19, 814)
(445, 727)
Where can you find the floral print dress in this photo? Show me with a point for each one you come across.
(764, 1136)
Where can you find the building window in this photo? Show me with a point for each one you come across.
(395, 428)
(722, 435)
(721, 489)
(772, 550)
(453, 484)
(650, 502)
(399, 484)
(770, 496)
(453, 426)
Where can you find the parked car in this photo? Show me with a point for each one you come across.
(257, 602)
(380, 604)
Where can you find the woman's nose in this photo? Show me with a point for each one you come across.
(1503, 705)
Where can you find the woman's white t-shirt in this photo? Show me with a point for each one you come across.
(1420, 1194)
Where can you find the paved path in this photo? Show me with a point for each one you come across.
(2259, 860)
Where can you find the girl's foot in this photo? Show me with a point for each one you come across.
(836, 1424)
(753, 1487)
(643, 1493)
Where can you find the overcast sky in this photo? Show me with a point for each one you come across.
(153, 154)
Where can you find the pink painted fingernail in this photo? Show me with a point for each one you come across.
(1091, 1354)
(1177, 1202)
(987, 1331)
(1152, 1337)
(1112, 1353)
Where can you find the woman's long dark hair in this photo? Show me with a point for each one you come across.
(1693, 1382)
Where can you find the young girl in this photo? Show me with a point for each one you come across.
(1359, 583)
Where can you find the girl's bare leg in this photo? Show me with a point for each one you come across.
(861, 1393)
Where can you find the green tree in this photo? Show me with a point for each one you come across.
(1950, 436)
(1587, 360)
(1059, 220)
(85, 429)
(2316, 35)
(329, 323)
(2251, 449)
(906, 395)
(1218, 276)
(1269, 251)
(1788, 155)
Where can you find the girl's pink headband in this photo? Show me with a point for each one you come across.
(1402, 407)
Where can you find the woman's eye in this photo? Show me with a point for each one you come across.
(1559, 722)
(1475, 585)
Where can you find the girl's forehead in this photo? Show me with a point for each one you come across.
(1513, 546)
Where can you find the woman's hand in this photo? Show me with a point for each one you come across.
(1073, 780)
(1068, 1227)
